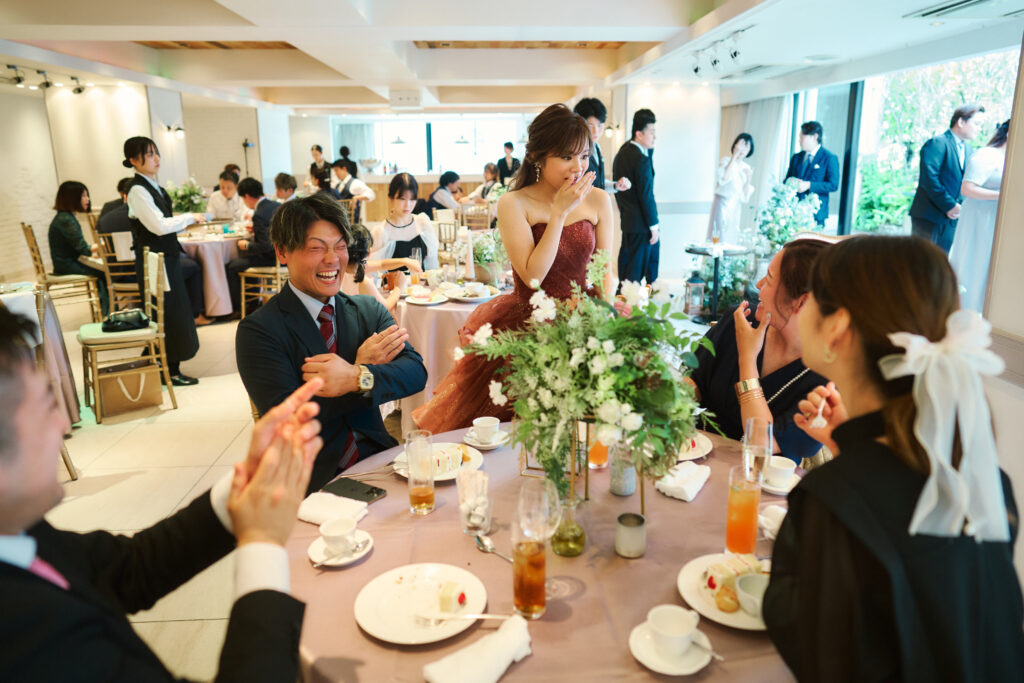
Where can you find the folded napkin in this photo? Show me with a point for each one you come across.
(485, 660)
(684, 481)
(770, 519)
(322, 506)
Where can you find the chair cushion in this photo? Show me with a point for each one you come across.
(92, 333)
(67, 279)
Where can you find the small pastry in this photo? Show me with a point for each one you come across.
(726, 600)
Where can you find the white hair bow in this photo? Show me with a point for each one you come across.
(947, 387)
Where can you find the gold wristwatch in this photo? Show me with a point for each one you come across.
(365, 379)
(745, 385)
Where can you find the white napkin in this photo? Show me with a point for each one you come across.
(485, 660)
(322, 506)
(770, 519)
(684, 481)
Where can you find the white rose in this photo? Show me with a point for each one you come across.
(616, 359)
(660, 294)
(458, 354)
(497, 398)
(546, 399)
(578, 356)
(534, 283)
(609, 411)
(632, 422)
(598, 365)
(483, 334)
(608, 434)
(593, 344)
(634, 293)
(625, 409)
(608, 346)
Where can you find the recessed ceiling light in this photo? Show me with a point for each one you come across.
(33, 87)
(21, 85)
(59, 85)
(89, 84)
(705, 83)
(820, 59)
(937, 23)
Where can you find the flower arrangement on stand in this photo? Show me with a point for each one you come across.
(581, 360)
(784, 215)
(188, 198)
(489, 257)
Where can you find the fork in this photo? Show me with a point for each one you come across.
(436, 619)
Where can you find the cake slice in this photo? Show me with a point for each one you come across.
(452, 597)
(724, 573)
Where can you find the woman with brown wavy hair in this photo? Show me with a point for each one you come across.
(551, 223)
(895, 560)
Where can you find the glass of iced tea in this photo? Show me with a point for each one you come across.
(744, 498)
(420, 457)
(529, 530)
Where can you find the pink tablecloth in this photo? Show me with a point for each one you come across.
(583, 637)
(433, 332)
(212, 255)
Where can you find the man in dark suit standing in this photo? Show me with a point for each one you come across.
(640, 251)
(936, 208)
(258, 252)
(309, 329)
(65, 595)
(507, 165)
(815, 167)
(593, 111)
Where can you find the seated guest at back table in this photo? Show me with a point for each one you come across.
(404, 231)
(322, 181)
(285, 186)
(895, 560)
(479, 193)
(233, 168)
(65, 595)
(355, 281)
(122, 190)
(114, 217)
(256, 252)
(757, 372)
(350, 187)
(67, 242)
(443, 197)
(225, 203)
(310, 329)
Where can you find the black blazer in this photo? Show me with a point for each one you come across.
(272, 344)
(261, 251)
(116, 220)
(938, 186)
(111, 206)
(83, 634)
(597, 165)
(636, 205)
(823, 175)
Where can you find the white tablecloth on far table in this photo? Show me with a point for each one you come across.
(212, 255)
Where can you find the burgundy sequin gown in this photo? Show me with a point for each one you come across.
(464, 393)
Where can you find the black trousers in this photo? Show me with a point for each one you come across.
(234, 267)
(638, 258)
(192, 273)
(101, 281)
(941, 234)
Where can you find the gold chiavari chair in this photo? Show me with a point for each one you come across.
(63, 289)
(260, 283)
(476, 217)
(123, 294)
(41, 364)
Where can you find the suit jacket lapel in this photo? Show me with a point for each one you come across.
(297, 318)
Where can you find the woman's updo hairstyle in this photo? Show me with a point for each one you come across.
(137, 147)
(359, 249)
(556, 131)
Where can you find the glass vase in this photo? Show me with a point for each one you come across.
(569, 538)
(622, 476)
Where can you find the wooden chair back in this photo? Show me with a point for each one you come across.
(116, 271)
(447, 231)
(476, 217)
(156, 276)
(33, 249)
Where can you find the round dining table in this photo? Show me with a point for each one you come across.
(213, 252)
(584, 635)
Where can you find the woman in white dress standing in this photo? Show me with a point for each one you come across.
(732, 188)
(971, 252)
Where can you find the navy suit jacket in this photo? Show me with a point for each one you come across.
(596, 166)
(637, 209)
(272, 344)
(82, 634)
(116, 220)
(823, 175)
(938, 187)
(261, 251)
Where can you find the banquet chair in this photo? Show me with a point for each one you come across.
(476, 217)
(446, 233)
(41, 364)
(95, 341)
(124, 291)
(445, 216)
(350, 207)
(63, 289)
(260, 283)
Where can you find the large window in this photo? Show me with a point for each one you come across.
(830, 107)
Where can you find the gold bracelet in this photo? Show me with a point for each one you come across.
(751, 395)
(745, 385)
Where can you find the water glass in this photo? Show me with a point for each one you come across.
(474, 505)
(416, 254)
(420, 461)
(744, 499)
(757, 445)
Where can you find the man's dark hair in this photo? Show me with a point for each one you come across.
(234, 168)
(250, 187)
(123, 185)
(285, 181)
(16, 356)
(965, 112)
(591, 106)
(509, 145)
(812, 128)
(342, 163)
(447, 178)
(230, 176)
(641, 119)
(292, 221)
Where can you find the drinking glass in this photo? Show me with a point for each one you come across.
(744, 498)
(529, 531)
(416, 254)
(420, 457)
(538, 500)
(474, 505)
(757, 445)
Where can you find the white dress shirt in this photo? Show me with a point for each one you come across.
(142, 207)
(223, 208)
(445, 198)
(359, 189)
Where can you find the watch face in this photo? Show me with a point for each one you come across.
(365, 380)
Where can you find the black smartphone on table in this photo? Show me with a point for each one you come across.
(356, 490)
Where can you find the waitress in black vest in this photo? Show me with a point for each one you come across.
(155, 226)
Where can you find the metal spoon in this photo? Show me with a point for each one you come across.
(711, 652)
(485, 544)
(353, 550)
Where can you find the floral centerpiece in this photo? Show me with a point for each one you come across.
(489, 256)
(188, 198)
(784, 215)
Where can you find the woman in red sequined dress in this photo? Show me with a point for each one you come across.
(550, 224)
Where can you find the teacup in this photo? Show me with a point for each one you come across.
(338, 534)
(485, 429)
(750, 590)
(672, 629)
(779, 471)
(475, 288)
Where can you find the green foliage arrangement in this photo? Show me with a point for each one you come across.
(885, 196)
(188, 198)
(783, 216)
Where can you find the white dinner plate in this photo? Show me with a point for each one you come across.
(435, 299)
(703, 447)
(318, 550)
(476, 458)
(460, 294)
(781, 490)
(501, 438)
(387, 606)
(690, 583)
(641, 644)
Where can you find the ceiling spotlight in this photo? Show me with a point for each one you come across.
(398, 140)
(462, 140)
(78, 89)
(17, 79)
(715, 61)
(178, 132)
(696, 68)
(46, 80)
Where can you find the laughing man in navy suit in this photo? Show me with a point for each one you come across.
(815, 167)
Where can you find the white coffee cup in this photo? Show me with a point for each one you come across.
(475, 288)
(338, 534)
(672, 629)
(750, 590)
(779, 471)
(485, 429)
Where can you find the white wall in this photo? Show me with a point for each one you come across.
(88, 133)
(213, 138)
(28, 180)
(275, 145)
(164, 111)
(307, 131)
(685, 158)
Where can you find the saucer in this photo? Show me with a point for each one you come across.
(318, 550)
(641, 644)
(781, 490)
(500, 439)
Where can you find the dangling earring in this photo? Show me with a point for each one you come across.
(829, 356)
(537, 166)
